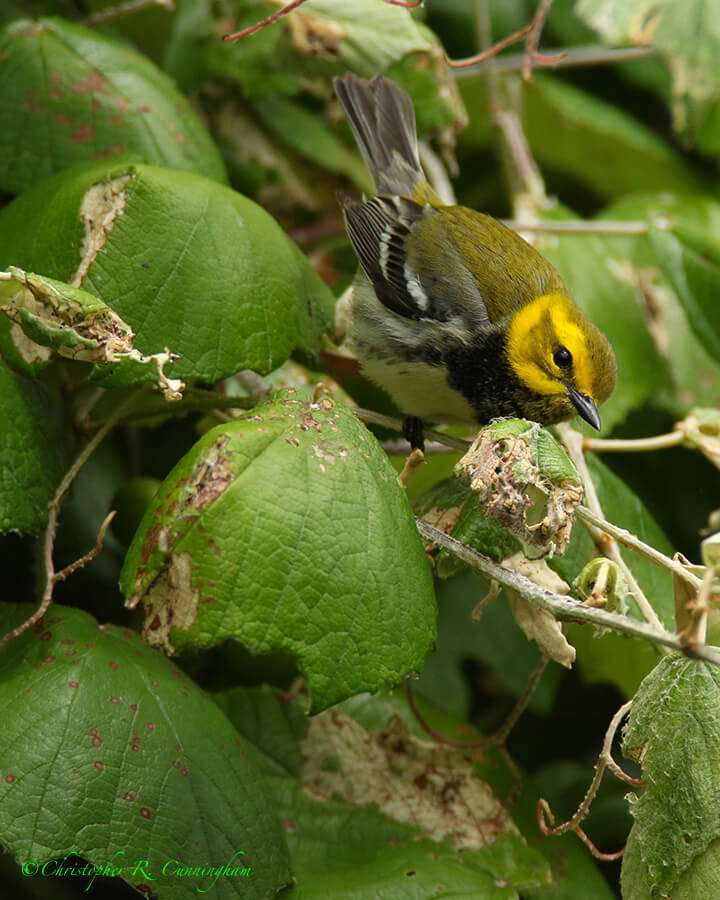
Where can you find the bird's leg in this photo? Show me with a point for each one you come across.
(414, 433)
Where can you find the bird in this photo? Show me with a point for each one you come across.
(452, 313)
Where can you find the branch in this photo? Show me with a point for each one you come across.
(109, 14)
(580, 226)
(562, 606)
(636, 445)
(575, 57)
(268, 21)
(374, 418)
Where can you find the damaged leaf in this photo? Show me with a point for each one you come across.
(526, 482)
(75, 324)
(673, 732)
(287, 530)
(538, 624)
(88, 710)
(220, 283)
(69, 95)
(409, 780)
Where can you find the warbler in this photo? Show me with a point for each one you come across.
(454, 314)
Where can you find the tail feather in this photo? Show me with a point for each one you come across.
(382, 118)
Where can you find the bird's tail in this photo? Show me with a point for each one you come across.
(382, 118)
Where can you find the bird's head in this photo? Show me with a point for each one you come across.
(556, 352)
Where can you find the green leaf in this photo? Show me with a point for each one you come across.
(696, 282)
(673, 729)
(310, 137)
(288, 530)
(322, 38)
(219, 282)
(695, 221)
(89, 712)
(68, 95)
(586, 137)
(32, 450)
(687, 34)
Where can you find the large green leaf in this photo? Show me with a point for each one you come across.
(673, 729)
(696, 281)
(288, 530)
(687, 33)
(586, 137)
(68, 95)
(111, 752)
(186, 262)
(32, 451)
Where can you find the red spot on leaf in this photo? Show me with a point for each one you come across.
(72, 653)
(145, 812)
(116, 120)
(176, 764)
(99, 766)
(93, 731)
(46, 636)
(151, 726)
(113, 666)
(289, 826)
(96, 741)
(114, 700)
(66, 641)
(146, 109)
(93, 83)
(49, 659)
(83, 134)
(129, 797)
(10, 779)
(63, 119)
(184, 772)
(74, 684)
(55, 620)
(56, 77)
(56, 93)
(128, 634)
(133, 707)
(75, 661)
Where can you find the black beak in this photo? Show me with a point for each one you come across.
(585, 407)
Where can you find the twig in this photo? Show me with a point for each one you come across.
(636, 445)
(533, 38)
(374, 418)
(102, 16)
(561, 606)
(572, 441)
(605, 760)
(531, 34)
(268, 21)
(91, 554)
(491, 51)
(633, 542)
(574, 57)
(580, 226)
(51, 576)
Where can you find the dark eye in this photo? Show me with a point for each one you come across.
(562, 357)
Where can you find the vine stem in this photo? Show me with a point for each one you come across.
(371, 417)
(635, 445)
(605, 761)
(562, 606)
(102, 16)
(633, 542)
(51, 576)
(572, 441)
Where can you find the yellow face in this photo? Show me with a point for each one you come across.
(554, 349)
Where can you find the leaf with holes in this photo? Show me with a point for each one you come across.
(89, 712)
(68, 95)
(287, 529)
(185, 262)
(75, 324)
(33, 451)
(673, 731)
